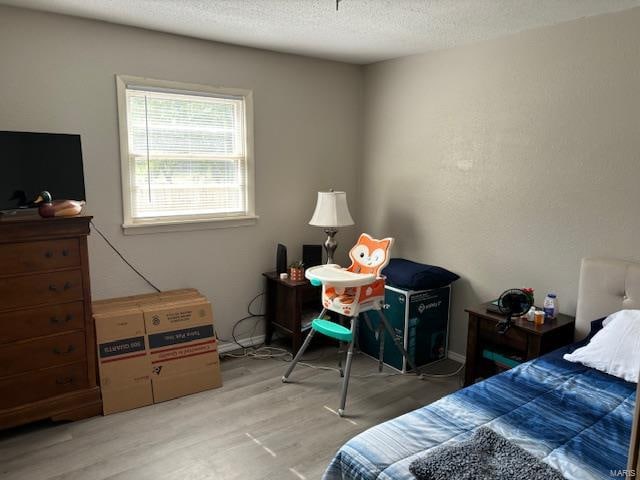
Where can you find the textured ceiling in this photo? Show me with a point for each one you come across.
(362, 31)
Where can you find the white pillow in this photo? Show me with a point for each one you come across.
(615, 349)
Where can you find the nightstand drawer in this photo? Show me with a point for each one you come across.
(37, 256)
(42, 288)
(41, 353)
(512, 338)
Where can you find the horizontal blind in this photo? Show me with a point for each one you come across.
(186, 154)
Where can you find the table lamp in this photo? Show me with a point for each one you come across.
(331, 212)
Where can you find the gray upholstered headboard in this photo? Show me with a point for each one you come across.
(606, 286)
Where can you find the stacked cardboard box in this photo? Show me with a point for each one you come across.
(155, 347)
(123, 360)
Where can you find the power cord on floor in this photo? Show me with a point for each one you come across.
(260, 353)
(387, 374)
(281, 354)
(266, 353)
(445, 375)
(337, 370)
(384, 374)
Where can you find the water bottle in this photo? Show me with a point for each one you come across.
(550, 305)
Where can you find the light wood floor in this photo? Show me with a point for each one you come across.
(254, 427)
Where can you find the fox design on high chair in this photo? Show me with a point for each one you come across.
(367, 256)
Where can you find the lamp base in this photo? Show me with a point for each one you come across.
(330, 244)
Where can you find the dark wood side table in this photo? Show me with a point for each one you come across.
(288, 303)
(524, 340)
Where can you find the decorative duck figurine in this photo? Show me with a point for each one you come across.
(47, 207)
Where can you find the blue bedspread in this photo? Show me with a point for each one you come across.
(575, 418)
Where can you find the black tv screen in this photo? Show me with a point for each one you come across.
(33, 162)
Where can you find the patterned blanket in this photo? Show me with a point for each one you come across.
(574, 418)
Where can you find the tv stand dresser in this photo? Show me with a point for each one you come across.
(47, 340)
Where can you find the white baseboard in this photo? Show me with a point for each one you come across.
(456, 356)
(226, 347)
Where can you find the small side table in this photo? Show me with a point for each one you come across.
(524, 339)
(288, 303)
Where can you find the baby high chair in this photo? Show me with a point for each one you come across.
(350, 292)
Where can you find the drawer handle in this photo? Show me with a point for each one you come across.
(69, 349)
(66, 319)
(64, 380)
(66, 286)
(65, 253)
(48, 254)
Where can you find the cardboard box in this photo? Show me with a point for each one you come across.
(155, 347)
(123, 300)
(420, 318)
(145, 299)
(123, 360)
(183, 348)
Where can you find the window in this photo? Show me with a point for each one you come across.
(186, 154)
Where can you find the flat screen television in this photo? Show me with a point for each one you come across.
(33, 162)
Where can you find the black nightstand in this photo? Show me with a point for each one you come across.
(289, 303)
(523, 341)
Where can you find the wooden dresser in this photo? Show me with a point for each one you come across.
(47, 341)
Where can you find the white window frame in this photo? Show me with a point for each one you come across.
(195, 222)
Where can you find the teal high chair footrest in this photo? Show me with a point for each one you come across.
(331, 329)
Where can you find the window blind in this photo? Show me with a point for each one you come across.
(186, 154)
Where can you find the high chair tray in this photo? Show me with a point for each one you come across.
(336, 276)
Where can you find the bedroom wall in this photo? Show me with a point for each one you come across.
(509, 160)
(57, 75)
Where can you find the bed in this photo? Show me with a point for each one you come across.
(574, 418)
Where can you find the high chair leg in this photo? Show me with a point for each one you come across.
(298, 356)
(347, 367)
(379, 331)
(398, 343)
(380, 347)
(341, 354)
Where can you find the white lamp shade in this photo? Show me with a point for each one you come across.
(331, 210)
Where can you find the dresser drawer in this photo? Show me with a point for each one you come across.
(36, 256)
(36, 289)
(38, 322)
(41, 353)
(29, 387)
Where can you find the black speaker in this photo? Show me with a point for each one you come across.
(281, 259)
(311, 255)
